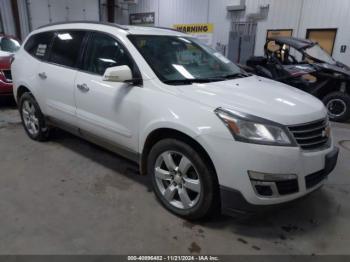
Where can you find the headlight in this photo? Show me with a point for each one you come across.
(250, 129)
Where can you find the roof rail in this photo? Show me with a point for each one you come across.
(86, 22)
(168, 28)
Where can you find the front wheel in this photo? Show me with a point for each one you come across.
(338, 105)
(183, 182)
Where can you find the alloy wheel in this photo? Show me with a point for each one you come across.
(177, 180)
(29, 117)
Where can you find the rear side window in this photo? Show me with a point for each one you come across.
(38, 45)
(66, 48)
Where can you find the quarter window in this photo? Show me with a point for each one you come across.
(66, 47)
(103, 52)
(38, 45)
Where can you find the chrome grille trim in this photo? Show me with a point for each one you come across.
(311, 136)
(310, 130)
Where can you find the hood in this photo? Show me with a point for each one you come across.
(5, 62)
(260, 97)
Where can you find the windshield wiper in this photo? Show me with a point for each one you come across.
(236, 75)
(191, 81)
(179, 81)
(206, 80)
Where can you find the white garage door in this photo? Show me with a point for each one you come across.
(43, 12)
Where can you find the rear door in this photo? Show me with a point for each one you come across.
(107, 110)
(58, 75)
(37, 46)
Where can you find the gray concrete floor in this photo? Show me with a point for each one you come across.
(68, 196)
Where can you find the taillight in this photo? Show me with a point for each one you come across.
(12, 59)
(2, 76)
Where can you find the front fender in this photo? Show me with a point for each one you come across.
(166, 107)
(165, 124)
(198, 122)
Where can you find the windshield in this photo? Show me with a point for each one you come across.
(317, 52)
(182, 60)
(9, 45)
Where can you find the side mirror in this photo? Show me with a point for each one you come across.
(118, 74)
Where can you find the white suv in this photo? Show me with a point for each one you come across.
(210, 136)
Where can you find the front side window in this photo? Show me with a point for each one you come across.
(176, 59)
(103, 52)
(39, 44)
(9, 45)
(66, 47)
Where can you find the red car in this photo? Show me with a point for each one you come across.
(8, 46)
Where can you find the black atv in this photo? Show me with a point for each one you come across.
(305, 65)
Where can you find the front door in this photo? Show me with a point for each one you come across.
(107, 110)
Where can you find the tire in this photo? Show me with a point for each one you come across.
(189, 177)
(31, 115)
(338, 105)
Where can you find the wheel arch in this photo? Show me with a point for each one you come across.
(329, 88)
(164, 133)
(20, 91)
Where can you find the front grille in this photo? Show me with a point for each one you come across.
(287, 187)
(312, 135)
(315, 178)
(8, 75)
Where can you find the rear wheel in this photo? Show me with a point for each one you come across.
(32, 118)
(182, 181)
(338, 105)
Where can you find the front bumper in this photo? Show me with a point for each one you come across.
(232, 161)
(233, 202)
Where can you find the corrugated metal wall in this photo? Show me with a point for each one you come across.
(24, 18)
(221, 19)
(183, 11)
(170, 12)
(145, 6)
(50, 11)
(283, 14)
(298, 15)
(329, 14)
(8, 23)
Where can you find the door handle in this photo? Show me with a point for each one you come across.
(42, 75)
(83, 87)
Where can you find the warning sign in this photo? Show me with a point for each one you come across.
(204, 32)
(195, 28)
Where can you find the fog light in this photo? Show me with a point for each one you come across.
(270, 177)
(264, 190)
(273, 185)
